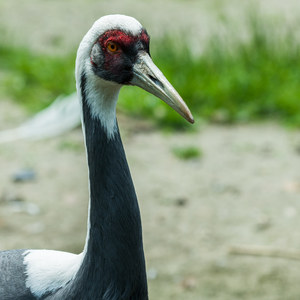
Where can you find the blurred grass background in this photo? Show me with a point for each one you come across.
(241, 74)
(228, 81)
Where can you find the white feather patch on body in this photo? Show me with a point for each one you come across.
(49, 270)
(101, 94)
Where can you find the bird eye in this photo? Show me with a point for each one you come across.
(112, 47)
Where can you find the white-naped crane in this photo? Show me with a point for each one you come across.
(114, 52)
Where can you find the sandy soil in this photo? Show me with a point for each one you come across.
(244, 190)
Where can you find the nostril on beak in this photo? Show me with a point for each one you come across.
(156, 81)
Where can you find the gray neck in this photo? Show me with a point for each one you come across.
(113, 265)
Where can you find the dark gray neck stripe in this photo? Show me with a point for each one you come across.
(113, 266)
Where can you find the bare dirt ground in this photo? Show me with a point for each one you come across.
(243, 191)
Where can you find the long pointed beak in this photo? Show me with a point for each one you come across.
(148, 76)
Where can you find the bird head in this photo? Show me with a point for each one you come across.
(116, 52)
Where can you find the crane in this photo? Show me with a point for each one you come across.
(113, 53)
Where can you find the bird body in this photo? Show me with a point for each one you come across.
(114, 52)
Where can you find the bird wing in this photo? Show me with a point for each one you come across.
(59, 117)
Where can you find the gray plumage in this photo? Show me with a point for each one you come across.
(12, 276)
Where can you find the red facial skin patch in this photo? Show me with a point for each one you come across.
(117, 65)
(123, 39)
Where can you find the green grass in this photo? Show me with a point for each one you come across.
(34, 80)
(186, 153)
(235, 81)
